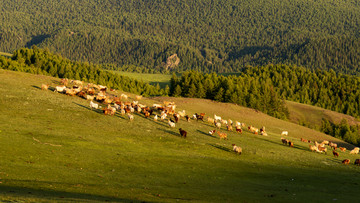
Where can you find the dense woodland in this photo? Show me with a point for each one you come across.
(343, 130)
(207, 35)
(326, 89)
(40, 61)
(246, 91)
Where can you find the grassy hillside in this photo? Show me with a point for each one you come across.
(311, 115)
(207, 35)
(153, 79)
(54, 148)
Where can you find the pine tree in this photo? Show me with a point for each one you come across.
(192, 91)
(177, 91)
(219, 95)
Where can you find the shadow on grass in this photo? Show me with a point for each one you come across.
(207, 134)
(50, 195)
(170, 132)
(220, 147)
(99, 111)
(37, 87)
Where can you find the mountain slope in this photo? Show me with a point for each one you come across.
(54, 148)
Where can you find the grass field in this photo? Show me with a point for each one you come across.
(161, 79)
(54, 148)
(312, 116)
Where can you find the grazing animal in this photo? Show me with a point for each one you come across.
(131, 117)
(163, 116)
(183, 133)
(155, 118)
(355, 150)
(325, 142)
(229, 127)
(124, 96)
(253, 129)
(194, 116)
(284, 141)
(346, 161)
(171, 124)
(218, 125)
(211, 132)
(60, 88)
(342, 149)
(222, 135)
(182, 113)
(224, 122)
(284, 133)
(199, 117)
(77, 82)
(322, 149)
(138, 97)
(147, 114)
(238, 129)
(187, 118)
(44, 87)
(333, 145)
(314, 148)
(89, 97)
(335, 153)
(217, 118)
(237, 149)
(210, 120)
(291, 144)
(64, 81)
(176, 117)
(122, 112)
(70, 92)
(303, 140)
(357, 162)
(94, 105)
(230, 122)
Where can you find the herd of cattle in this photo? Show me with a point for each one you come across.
(99, 95)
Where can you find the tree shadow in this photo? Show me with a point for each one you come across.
(36, 40)
(220, 147)
(50, 195)
(207, 134)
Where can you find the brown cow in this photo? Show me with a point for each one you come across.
(183, 133)
(335, 153)
(357, 162)
(346, 161)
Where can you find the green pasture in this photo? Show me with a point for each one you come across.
(161, 79)
(55, 148)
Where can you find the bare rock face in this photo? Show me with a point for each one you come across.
(172, 61)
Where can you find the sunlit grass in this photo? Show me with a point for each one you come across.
(54, 148)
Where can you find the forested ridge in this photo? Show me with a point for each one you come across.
(207, 35)
(42, 61)
(263, 88)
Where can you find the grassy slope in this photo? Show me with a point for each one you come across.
(312, 115)
(162, 79)
(108, 158)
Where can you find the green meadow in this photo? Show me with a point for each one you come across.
(161, 79)
(55, 148)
